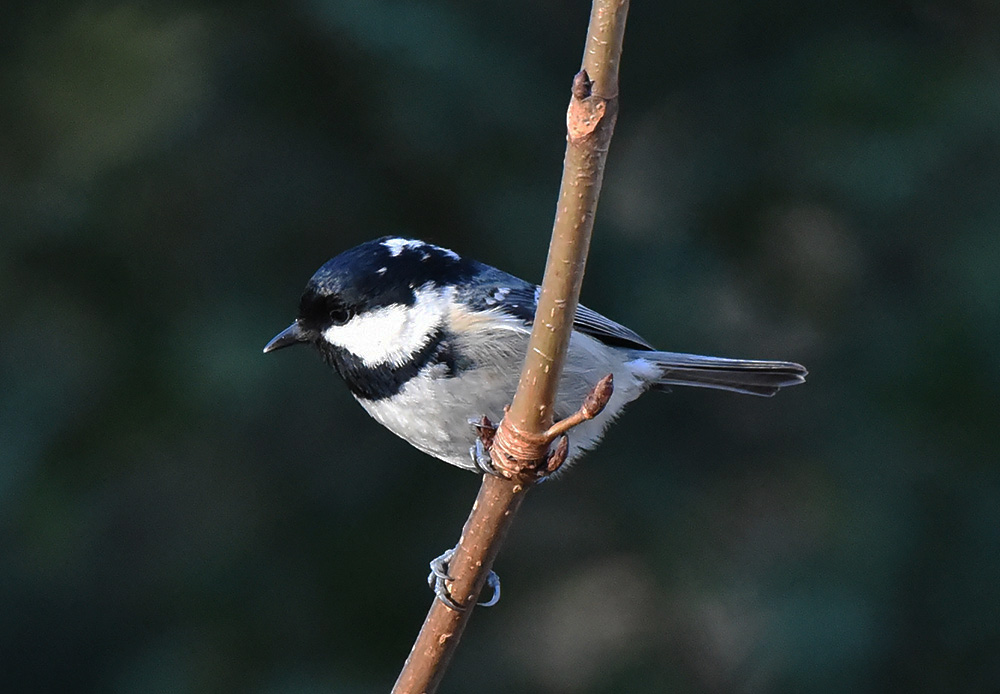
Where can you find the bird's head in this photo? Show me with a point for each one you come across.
(380, 302)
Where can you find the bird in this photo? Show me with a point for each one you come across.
(430, 342)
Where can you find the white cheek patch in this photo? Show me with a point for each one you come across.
(393, 334)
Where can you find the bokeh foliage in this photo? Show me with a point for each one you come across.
(811, 181)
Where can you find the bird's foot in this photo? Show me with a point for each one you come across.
(480, 452)
(439, 577)
(481, 458)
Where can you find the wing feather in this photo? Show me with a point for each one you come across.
(521, 302)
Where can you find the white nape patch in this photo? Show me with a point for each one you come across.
(382, 270)
(393, 334)
(398, 245)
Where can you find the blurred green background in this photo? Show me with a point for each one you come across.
(808, 181)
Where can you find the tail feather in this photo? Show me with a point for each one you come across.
(753, 377)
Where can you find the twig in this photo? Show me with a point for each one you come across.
(516, 455)
(520, 447)
(592, 406)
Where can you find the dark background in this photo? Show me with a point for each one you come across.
(808, 181)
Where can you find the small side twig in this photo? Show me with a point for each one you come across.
(514, 450)
(593, 405)
(590, 122)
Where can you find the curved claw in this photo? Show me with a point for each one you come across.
(438, 576)
(493, 581)
(439, 568)
(482, 460)
(480, 453)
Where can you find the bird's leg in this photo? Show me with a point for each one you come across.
(518, 454)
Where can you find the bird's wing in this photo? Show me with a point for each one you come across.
(521, 302)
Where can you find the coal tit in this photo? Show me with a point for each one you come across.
(428, 341)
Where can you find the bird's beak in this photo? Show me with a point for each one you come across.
(287, 337)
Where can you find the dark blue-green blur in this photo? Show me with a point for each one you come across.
(818, 182)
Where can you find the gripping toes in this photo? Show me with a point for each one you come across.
(438, 578)
(480, 452)
(482, 460)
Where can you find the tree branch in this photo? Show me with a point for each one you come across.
(520, 447)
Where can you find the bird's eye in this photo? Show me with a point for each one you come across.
(339, 315)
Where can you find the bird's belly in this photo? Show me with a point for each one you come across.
(432, 412)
